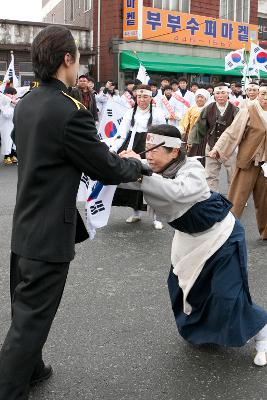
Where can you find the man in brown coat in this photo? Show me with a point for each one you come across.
(248, 131)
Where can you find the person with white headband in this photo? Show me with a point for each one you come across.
(189, 120)
(170, 106)
(213, 120)
(248, 134)
(208, 281)
(132, 135)
(252, 92)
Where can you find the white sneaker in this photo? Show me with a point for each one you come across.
(260, 358)
(133, 218)
(158, 225)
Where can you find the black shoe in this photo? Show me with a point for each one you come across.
(42, 375)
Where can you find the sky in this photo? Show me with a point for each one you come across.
(23, 10)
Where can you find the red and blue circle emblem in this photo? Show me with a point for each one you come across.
(236, 57)
(110, 129)
(262, 57)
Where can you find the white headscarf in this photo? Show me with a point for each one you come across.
(202, 92)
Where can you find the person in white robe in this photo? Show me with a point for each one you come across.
(131, 134)
(170, 107)
(208, 282)
(7, 107)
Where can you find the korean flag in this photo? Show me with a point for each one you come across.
(234, 59)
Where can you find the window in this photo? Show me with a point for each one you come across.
(235, 10)
(3, 66)
(71, 10)
(173, 5)
(25, 67)
(87, 5)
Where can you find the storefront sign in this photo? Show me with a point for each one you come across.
(176, 27)
(262, 32)
(130, 20)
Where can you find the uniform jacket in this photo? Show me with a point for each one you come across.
(56, 141)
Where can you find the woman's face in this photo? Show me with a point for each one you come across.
(143, 101)
(200, 100)
(159, 158)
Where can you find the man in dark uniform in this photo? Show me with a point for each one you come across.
(56, 141)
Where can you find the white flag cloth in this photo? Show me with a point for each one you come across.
(234, 59)
(143, 75)
(98, 207)
(111, 117)
(259, 56)
(97, 196)
(10, 73)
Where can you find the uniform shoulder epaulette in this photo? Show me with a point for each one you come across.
(76, 102)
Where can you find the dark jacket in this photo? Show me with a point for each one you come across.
(211, 124)
(77, 94)
(56, 141)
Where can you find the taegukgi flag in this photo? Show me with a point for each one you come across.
(98, 207)
(259, 55)
(10, 73)
(111, 118)
(143, 75)
(234, 59)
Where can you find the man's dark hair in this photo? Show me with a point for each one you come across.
(49, 48)
(10, 90)
(129, 82)
(238, 84)
(174, 81)
(182, 79)
(209, 86)
(220, 84)
(153, 83)
(167, 87)
(194, 84)
(83, 76)
(165, 78)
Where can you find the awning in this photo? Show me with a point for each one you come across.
(176, 63)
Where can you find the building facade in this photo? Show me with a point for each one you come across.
(176, 37)
(262, 21)
(170, 37)
(69, 12)
(18, 36)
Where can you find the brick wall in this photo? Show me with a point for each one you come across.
(111, 27)
(209, 8)
(253, 12)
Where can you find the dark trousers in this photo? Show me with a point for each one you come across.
(36, 289)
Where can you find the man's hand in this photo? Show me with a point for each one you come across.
(214, 154)
(128, 154)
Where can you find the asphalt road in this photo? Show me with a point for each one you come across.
(114, 337)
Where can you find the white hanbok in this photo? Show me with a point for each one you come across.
(189, 97)
(6, 127)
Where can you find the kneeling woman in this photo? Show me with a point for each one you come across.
(208, 281)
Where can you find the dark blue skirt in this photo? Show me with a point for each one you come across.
(222, 310)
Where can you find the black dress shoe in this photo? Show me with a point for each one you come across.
(42, 375)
